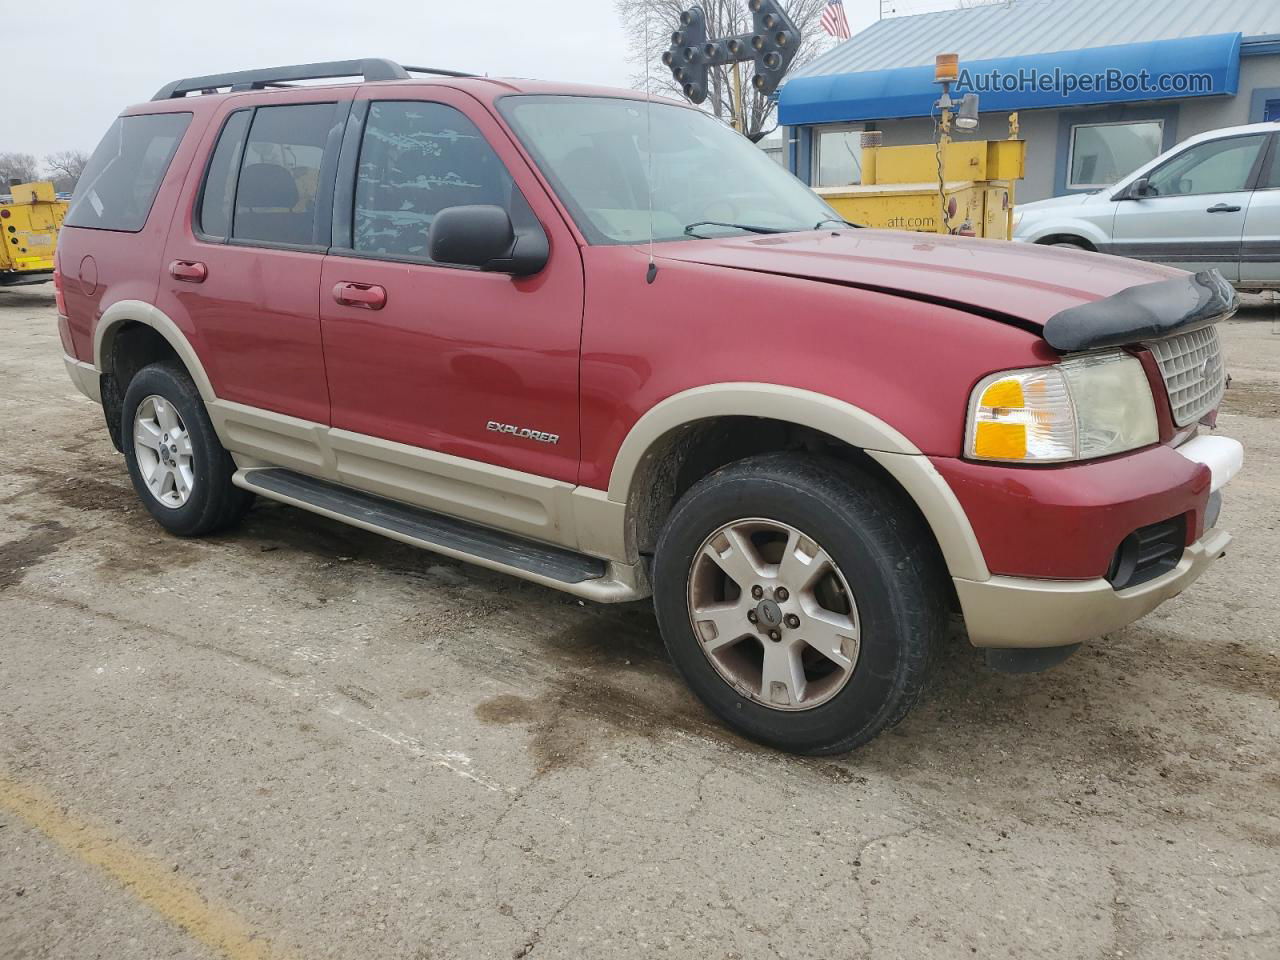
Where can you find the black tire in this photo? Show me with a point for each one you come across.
(887, 557)
(214, 503)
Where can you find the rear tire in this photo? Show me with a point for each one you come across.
(179, 468)
(841, 667)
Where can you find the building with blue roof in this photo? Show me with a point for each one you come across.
(1100, 87)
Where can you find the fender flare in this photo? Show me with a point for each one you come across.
(136, 311)
(843, 421)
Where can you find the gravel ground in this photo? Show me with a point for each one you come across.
(301, 740)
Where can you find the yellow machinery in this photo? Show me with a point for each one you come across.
(901, 189)
(945, 187)
(29, 224)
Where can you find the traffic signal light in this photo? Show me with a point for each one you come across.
(687, 56)
(772, 44)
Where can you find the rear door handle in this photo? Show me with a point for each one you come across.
(189, 271)
(365, 295)
(1223, 208)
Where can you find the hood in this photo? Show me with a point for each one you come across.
(995, 278)
(1060, 203)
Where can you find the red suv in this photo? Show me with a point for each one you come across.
(607, 345)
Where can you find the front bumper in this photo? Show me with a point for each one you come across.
(1021, 613)
(1013, 613)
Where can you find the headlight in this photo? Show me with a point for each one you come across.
(1080, 409)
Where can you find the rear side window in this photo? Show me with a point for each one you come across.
(120, 183)
(220, 185)
(275, 196)
(418, 159)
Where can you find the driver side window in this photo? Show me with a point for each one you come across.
(416, 159)
(1220, 166)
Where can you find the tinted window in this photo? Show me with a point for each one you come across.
(416, 160)
(220, 184)
(280, 174)
(119, 185)
(1220, 166)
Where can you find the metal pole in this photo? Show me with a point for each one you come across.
(739, 113)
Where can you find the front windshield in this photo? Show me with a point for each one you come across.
(708, 180)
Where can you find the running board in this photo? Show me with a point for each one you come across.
(544, 563)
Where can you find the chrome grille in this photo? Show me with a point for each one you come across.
(1194, 374)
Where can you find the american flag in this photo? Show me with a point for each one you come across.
(834, 21)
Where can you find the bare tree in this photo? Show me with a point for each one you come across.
(65, 167)
(17, 166)
(725, 18)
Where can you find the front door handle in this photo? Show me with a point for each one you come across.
(365, 295)
(188, 271)
(1223, 208)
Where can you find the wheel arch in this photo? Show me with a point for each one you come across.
(1074, 239)
(1077, 231)
(650, 468)
(125, 312)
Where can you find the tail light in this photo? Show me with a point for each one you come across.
(58, 297)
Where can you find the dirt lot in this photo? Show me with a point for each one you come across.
(300, 740)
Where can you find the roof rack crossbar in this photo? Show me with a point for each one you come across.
(372, 70)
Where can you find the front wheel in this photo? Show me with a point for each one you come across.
(178, 467)
(800, 599)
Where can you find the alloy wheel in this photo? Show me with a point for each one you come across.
(163, 450)
(773, 614)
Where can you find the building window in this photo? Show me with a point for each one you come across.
(837, 156)
(1102, 153)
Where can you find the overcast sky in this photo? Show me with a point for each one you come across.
(79, 62)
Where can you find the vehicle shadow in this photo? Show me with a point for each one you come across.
(589, 677)
(1131, 708)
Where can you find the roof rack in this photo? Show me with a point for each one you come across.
(374, 69)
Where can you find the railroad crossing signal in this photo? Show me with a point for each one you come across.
(773, 44)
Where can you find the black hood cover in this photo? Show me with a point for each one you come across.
(1151, 311)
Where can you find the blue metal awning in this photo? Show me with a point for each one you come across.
(1159, 70)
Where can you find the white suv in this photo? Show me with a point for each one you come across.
(1211, 201)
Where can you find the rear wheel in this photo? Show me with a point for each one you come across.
(800, 599)
(178, 467)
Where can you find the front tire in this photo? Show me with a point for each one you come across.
(179, 468)
(800, 598)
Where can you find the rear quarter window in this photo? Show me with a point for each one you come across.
(120, 183)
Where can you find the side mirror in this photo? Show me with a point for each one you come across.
(1138, 189)
(484, 237)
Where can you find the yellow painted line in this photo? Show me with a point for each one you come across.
(156, 885)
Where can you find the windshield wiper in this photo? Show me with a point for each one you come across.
(691, 229)
(844, 223)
